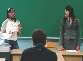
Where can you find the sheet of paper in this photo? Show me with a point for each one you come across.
(15, 30)
(71, 50)
(5, 36)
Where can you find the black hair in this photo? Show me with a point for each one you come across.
(71, 12)
(8, 11)
(39, 36)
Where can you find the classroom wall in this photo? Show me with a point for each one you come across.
(44, 14)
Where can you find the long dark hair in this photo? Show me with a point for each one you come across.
(71, 11)
(8, 11)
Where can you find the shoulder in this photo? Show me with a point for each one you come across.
(63, 21)
(25, 54)
(51, 53)
(27, 50)
(77, 20)
(17, 20)
(6, 21)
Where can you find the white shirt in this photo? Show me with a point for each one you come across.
(12, 26)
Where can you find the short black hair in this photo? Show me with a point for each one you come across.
(39, 36)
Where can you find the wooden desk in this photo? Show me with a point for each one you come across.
(71, 56)
(16, 54)
(63, 55)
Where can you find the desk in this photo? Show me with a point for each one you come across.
(16, 54)
(63, 55)
(71, 56)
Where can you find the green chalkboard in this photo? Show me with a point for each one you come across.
(44, 14)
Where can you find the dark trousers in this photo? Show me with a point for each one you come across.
(13, 44)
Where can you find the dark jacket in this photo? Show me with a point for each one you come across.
(38, 53)
(70, 32)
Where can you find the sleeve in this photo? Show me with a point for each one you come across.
(24, 56)
(78, 33)
(4, 26)
(19, 32)
(61, 33)
(54, 57)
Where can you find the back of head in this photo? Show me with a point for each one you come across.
(39, 36)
